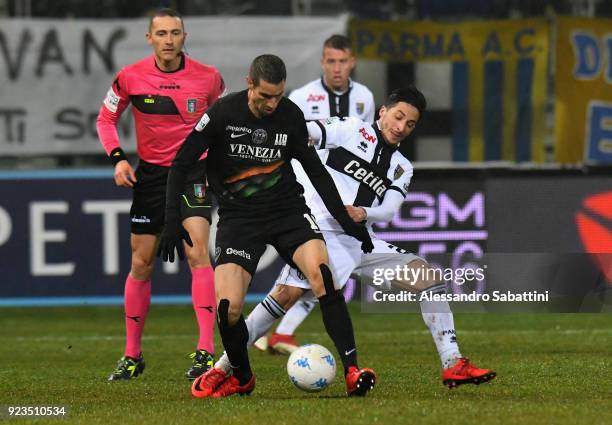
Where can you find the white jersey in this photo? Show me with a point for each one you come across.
(318, 101)
(363, 166)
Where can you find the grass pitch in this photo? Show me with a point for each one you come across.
(551, 369)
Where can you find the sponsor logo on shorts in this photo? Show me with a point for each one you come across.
(141, 219)
(242, 253)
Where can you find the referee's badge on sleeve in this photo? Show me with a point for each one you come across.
(202, 123)
(111, 101)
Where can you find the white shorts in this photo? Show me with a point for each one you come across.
(346, 258)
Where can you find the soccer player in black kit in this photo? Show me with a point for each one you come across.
(251, 137)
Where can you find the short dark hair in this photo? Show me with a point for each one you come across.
(159, 13)
(411, 95)
(339, 42)
(267, 67)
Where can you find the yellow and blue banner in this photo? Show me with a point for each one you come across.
(583, 90)
(498, 78)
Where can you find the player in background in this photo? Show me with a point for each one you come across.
(169, 92)
(251, 137)
(334, 94)
(372, 177)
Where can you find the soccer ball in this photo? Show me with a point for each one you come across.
(311, 367)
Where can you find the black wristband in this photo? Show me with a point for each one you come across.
(117, 155)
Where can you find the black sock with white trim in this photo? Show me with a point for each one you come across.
(337, 321)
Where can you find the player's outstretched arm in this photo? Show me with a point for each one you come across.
(174, 233)
(326, 188)
(383, 213)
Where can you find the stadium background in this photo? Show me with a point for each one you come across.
(513, 155)
(512, 160)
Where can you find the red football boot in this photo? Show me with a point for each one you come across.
(205, 384)
(232, 386)
(283, 344)
(463, 372)
(359, 381)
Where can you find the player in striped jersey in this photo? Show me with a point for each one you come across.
(334, 94)
(372, 177)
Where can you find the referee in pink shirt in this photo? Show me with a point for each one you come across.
(169, 92)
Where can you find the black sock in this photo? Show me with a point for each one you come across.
(338, 322)
(235, 340)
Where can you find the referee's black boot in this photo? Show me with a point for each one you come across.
(128, 368)
(202, 362)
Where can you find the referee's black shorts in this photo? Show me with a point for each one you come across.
(149, 197)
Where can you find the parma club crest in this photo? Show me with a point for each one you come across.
(360, 107)
(191, 105)
(398, 172)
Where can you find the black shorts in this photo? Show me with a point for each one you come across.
(243, 241)
(149, 198)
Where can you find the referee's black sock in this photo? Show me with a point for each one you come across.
(235, 340)
(337, 321)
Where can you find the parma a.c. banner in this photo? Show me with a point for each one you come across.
(583, 90)
(498, 72)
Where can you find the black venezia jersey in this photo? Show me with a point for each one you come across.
(248, 162)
